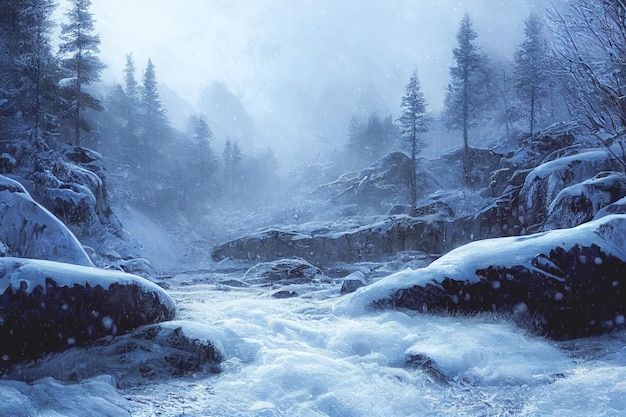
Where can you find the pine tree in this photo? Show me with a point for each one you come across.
(131, 87)
(228, 153)
(155, 122)
(468, 90)
(237, 156)
(202, 131)
(413, 122)
(29, 69)
(531, 68)
(79, 49)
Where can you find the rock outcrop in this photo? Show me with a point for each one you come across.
(374, 242)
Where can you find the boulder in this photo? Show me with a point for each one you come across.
(579, 203)
(28, 230)
(50, 306)
(283, 271)
(353, 282)
(565, 283)
(163, 350)
(546, 181)
(618, 207)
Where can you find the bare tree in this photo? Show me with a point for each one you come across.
(591, 46)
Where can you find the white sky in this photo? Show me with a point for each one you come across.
(299, 57)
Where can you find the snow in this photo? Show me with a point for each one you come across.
(29, 274)
(460, 264)
(29, 230)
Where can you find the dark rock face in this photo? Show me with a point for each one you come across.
(49, 307)
(573, 284)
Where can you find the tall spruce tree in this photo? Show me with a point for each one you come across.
(28, 68)
(36, 65)
(79, 51)
(131, 86)
(413, 122)
(468, 91)
(532, 68)
(155, 121)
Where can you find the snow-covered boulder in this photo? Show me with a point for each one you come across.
(579, 203)
(28, 230)
(163, 350)
(546, 181)
(283, 271)
(565, 283)
(49, 306)
(618, 207)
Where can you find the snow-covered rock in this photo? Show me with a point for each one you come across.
(546, 181)
(579, 203)
(28, 230)
(283, 271)
(618, 207)
(154, 351)
(564, 283)
(49, 306)
(353, 282)
(375, 241)
(374, 189)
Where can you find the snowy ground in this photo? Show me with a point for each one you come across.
(295, 357)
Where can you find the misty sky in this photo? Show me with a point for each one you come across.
(299, 64)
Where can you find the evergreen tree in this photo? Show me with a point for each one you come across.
(468, 90)
(79, 49)
(35, 63)
(531, 68)
(202, 131)
(236, 156)
(228, 153)
(131, 87)
(413, 122)
(155, 122)
(369, 139)
(28, 67)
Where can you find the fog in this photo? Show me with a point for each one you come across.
(300, 69)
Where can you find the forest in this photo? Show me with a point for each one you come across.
(467, 258)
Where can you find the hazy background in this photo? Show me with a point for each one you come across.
(290, 73)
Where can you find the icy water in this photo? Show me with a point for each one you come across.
(296, 357)
(301, 357)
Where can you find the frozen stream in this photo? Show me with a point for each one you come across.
(296, 357)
